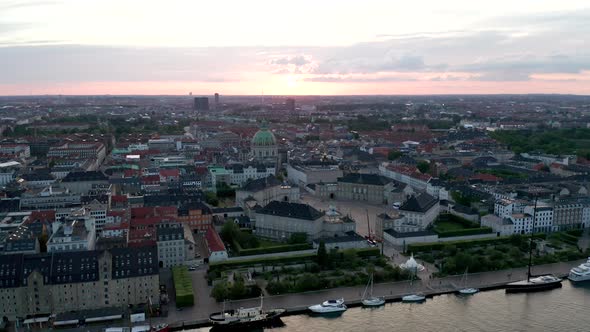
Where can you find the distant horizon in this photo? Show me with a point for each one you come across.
(117, 47)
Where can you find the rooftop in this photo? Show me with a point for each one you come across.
(420, 203)
(291, 210)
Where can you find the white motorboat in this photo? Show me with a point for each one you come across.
(466, 290)
(580, 273)
(329, 306)
(368, 299)
(414, 298)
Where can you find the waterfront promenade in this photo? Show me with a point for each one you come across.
(295, 303)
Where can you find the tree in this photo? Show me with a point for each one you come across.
(394, 154)
(220, 291)
(230, 231)
(423, 166)
(322, 255)
(211, 198)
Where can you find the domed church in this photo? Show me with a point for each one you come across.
(264, 145)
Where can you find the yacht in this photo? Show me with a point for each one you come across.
(369, 299)
(414, 298)
(245, 317)
(140, 328)
(329, 306)
(580, 273)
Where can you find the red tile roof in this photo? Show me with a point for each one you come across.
(214, 241)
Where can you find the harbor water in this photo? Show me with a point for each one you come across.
(564, 309)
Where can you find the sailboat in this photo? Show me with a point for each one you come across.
(416, 297)
(533, 283)
(371, 301)
(467, 290)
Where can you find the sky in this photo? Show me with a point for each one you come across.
(304, 47)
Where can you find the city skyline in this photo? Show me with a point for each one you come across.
(307, 48)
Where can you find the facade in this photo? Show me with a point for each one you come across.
(501, 226)
(265, 190)
(239, 174)
(49, 198)
(567, 214)
(311, 173)
(419, 212)
(406, 174)
(80, 150)
(62, 282)
(385, 221)
(171, 246)
(196, 215)
(72, 236)
(523, 223)
(83, 182)
(279, 220)
(370, 188)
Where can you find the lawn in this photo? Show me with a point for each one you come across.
(267, 243)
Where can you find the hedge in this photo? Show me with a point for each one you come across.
(575, 232)
(457, 219)
(183, 286)
(300, 258)
(270, 250)
(264, 261)
(466, 231)
(421, 247)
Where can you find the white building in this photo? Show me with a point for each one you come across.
(72, 236)
(501, 226)
(419, 212)
(523, 223)
(217, 252)
(171, 246)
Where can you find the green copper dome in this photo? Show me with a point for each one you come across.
(264, 138)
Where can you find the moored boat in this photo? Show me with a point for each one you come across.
(414, 298)
(534, 284)
(368, 299)
(245, 317)
(329, 306)
(580, 273)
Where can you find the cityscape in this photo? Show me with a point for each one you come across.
(254, 184)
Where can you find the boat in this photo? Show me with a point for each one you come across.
(329, 306)
(414, 298)
(245, 317)
(371, 301)
(466, 290)
(533, 283)
(140, 328)
(580, 273)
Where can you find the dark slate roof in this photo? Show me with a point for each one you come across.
(227, 209)
(261, 184)
(72, 267)
(170, 233)
(460, 172)
(85, 176)
(370, 179)
(291, 210)
(10, 205)
(399, 235)
(349, 237)
(38, 176)
(20, 245)
(134, 262)
(420, 203)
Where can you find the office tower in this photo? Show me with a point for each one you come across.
(201, 104)
(290, 103)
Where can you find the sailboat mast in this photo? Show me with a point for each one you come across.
(528, 276)
(368, 224)
(371, 284)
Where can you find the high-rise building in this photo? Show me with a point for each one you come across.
(290, 103)
(216, 99)
(201, 104)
